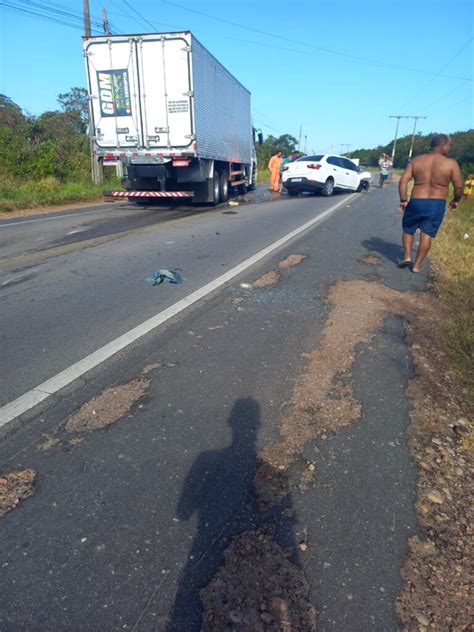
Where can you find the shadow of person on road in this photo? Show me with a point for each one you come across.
(389, 250)
(219, 490)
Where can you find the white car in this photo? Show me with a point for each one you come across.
(324, 173)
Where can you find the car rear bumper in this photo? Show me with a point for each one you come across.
(303, 185)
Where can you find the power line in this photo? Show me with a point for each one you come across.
(55, 14)
(292, 41)
(140, 16)
(438, 74)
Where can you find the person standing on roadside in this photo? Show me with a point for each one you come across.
(274, 168)
(385, 165)
(432, 174)
(284, 162)
(468, 186)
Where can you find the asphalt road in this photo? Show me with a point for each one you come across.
(117, 535)
(66, 294)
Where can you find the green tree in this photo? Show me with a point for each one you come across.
(75, 104)
(285, 143)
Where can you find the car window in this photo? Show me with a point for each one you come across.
(309, 158)
(348, 164)
(334, 160)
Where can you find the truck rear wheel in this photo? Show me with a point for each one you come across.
(223, 187)
(215, 189)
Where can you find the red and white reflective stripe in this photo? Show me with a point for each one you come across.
(151, 194)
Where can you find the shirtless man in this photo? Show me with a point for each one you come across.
(432, 173)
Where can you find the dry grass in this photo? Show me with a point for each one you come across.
(453, 259)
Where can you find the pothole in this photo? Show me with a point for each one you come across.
(371, 260)
(15, 487)
(258, 590)
(108, 407)
(273, 277)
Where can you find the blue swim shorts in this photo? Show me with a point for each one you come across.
(425, 214)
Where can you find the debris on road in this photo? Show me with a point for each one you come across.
(233, 203)
(108, 407)
(161, 275)
(246, 286)
(14, 487)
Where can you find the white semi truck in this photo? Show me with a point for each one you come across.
(175, 118)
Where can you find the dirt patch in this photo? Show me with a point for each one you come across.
(151, 367)
(370, 260)
(108, 407)
(258, 590)
(273, 277)
(270, 278)
(322, 399)
(14, 487)
(291, 261)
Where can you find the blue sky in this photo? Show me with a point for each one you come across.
(338, 68)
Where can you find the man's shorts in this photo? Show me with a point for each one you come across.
(384, 176)
(425, 214)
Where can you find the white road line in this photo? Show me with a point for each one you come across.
(31, 398)
(58, 216)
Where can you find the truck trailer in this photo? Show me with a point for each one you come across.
(178, 122)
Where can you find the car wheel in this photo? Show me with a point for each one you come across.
(328, 188)
(293, 192)
(363, 186)
(223, 187)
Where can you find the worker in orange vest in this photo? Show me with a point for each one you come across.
(274, 168)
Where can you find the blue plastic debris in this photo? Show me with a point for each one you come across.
(172, 276)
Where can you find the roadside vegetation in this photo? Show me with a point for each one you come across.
(452, 258)
(462, 150)
(45, 159)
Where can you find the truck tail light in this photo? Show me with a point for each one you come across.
(314, 166)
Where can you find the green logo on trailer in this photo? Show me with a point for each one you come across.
(114, 93)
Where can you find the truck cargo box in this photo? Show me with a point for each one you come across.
(165, 94)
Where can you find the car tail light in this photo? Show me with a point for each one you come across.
(314, 166)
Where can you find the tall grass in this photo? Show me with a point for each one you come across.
(453, 259)
(263, 174)
(16, 195)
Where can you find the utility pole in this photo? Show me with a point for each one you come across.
(87, 18)
(299, 139)
(105, 20)
(413, 135)
(97, 171)
(305, 142)
(398, 117)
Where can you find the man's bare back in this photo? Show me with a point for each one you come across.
(432, 174)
